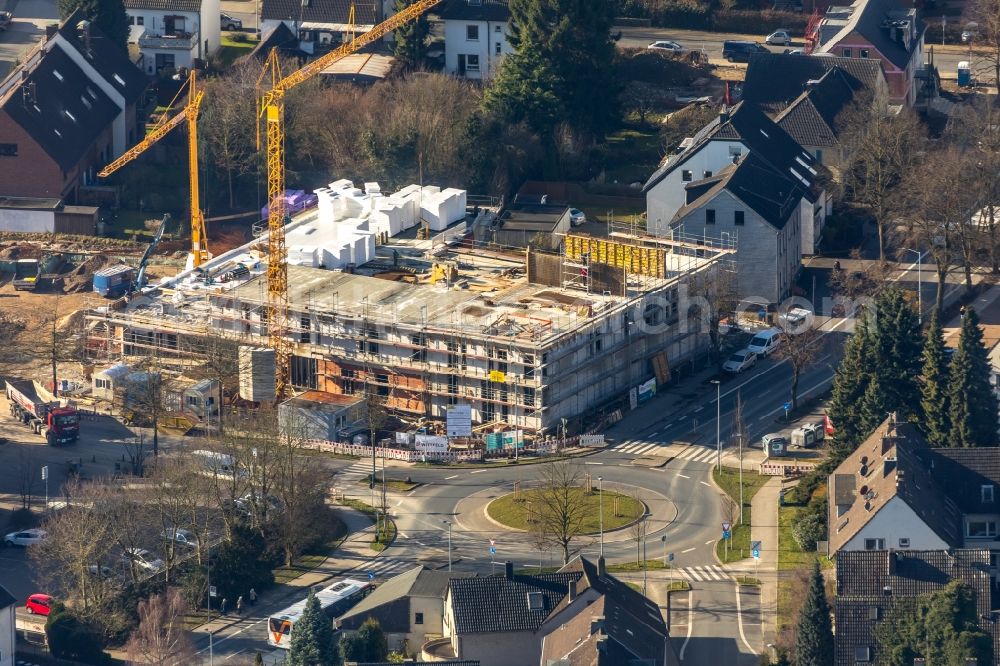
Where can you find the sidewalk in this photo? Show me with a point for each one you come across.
(354, 552)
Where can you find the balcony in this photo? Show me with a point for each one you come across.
(439, 649)
(181, 41)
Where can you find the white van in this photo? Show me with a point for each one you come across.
(766, 342)
(215, 464)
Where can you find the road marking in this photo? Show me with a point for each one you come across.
(690, 623)
(399, 502)
(687, 551)
(705, 483)
(478, 471)
(683, 476)
(739, 622)
(453, 476)
(709, 543)
(234, 654)
(404, 535)
(593, 463)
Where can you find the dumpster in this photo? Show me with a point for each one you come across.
(964, 73)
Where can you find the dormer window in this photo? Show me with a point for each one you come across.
(986, 493)
(846, 53)
(476, 3)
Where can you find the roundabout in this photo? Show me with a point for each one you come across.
(528, 510)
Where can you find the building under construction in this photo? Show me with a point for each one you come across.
(392, 294)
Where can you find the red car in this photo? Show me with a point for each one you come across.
(38, 604)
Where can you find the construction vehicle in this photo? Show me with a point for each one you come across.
(140, 276)
(38, 409)
(199, 238)
(25, 274)
(272, 113)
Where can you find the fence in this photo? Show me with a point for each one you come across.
(768, 468)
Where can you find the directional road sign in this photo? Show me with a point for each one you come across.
(670, 557)
(211, 591)
(45, 473)
(725, 526)
(371, 576)
(755, 549)
(493, 550)
(725, 534)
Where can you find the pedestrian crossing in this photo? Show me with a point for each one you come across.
(682, 452)
(347, 479)
(383, 568)
(703, 574)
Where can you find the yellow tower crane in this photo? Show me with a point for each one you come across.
(199, 238)
(272, 113)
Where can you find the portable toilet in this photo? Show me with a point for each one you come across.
(964, 73)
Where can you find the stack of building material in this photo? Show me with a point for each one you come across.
(442, 208)
(257, 374)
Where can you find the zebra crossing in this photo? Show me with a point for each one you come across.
(682, 452)
(383, 568)
(347, 479)
(703, 574)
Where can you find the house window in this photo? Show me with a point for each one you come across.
(738, 218)
(472, 33)
(709, 216)
(498, 48)
(981, 529)
(8, 150)
(819, 156)
(102, 383)
(986, 493)
(472, 63)
(735, 151)
(497, 29)
(874, 544)
(192, 400)
(140, 20)
(846, 53)
(862, 653)
(418, 618)
(904, 542)
(864, 53)
(708, 174)
(131, 20)
(686, 176)
(527, 396)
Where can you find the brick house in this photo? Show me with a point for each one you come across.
(66, 111)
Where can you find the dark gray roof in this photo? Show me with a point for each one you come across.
(497, 604)
(63, 114)
(775, 80)
(453, 662)
(6, 598)
(395, 588)
(431, 583)
(812, 118)
(484, 10)
(748, 124)
(318, 11)
(108, 59)
(175, 5)
(868, 20)
(963, 471)
(280, 37)
(872, 582)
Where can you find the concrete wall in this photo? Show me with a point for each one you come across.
(668, 196)
(767, 259)
(7, 635)
(491, 34)
(894, 521)
(30, 221)
(813, 216)
(520, 648)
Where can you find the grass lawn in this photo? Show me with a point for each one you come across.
(385, 536)
(678, 586)
(397, 485)
(748, 580)
(312, 559)
(634, 152)
(514, 512)
(790, 556)
(230, 50)
(729, 481)
(633, 566)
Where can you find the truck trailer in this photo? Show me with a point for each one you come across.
(36, 408)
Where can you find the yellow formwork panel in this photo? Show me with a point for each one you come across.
(634, 258)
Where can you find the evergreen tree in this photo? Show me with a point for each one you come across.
(896, 352)
(108, 15)
(973, 407)
(849, 384)
(872, 409)
(366, 644)
(242, 563)
(312, 637)
(814, 640)
(934, 402)
(411, 39)
(561, 68)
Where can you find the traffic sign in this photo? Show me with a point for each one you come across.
(493, 550)
(725, 526)
(45, 473)
(725, 534)
(493, 542)
(755, 553)
(787, 406)
(211, 591)
(755, 545)
(371, 576)
(755, 549)
(670, 557)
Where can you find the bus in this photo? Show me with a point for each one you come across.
(335, 600)
(214, 464)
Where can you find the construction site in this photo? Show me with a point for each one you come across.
(392, 294)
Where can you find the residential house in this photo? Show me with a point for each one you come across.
(880, 30)
(409, 608)
(578, 615)
(871, 584)
(734, 133)
(8, 630)
(885, 496)
(321, 24)
(971, 479)
(774, 80)
(758, 206)
(813, 118)
(171, 34)
(67, 110)
(528, 221)
(476, 37)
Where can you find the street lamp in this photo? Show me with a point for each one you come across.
(600, 510)
(664, 540)
(718, 422)
(920, 284)
(448, 523)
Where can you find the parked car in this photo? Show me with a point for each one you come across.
(765, 342)
(738, 51)
(38, 604)
(742, 360)
(577, 217)
(181, 537)
(794, 52)
(25, 538)
(6, 18)
(667, 45)
(794, 317)
(142, 559)
(971, 32)
(101, 571)
(779, 38)
(230, 23)
(269, 503)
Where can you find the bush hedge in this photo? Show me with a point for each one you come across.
(693, 15)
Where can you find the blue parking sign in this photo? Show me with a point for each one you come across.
(493, 550)
(725, 534)
(371, 576)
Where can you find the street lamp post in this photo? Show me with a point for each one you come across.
(644, 560)
(718, 422)
(448, 523)
(600, 510)
(920, 284)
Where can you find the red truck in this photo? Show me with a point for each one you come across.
(36, 408)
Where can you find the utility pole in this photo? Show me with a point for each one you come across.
(448, 523)
(600, 514)
(718, 423)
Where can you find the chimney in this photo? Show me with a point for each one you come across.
(888, 465)
(890, 569)
(572, 590)
(602, 569)
(812, 83)
(51, 30)
(724, 114)
(508, 570)
(596, 624)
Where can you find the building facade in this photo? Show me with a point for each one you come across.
(173, 34)
(475, 37)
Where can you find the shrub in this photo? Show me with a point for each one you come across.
(238, 37)
(70, 637)
(808, 528)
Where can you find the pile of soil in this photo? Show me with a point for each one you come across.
(20, 251)
(72, 322)
(81, 278)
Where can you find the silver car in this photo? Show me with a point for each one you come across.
(742, 360)
(25, 538)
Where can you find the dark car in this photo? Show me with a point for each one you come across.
(736, 51)
(230, 23)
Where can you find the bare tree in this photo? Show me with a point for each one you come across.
(27, 472)
(801, 348)
(160, 638)
(975, 128)
(219, 361)
(560, 513)
(639, 529)
(227, 125)
(987, 14)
